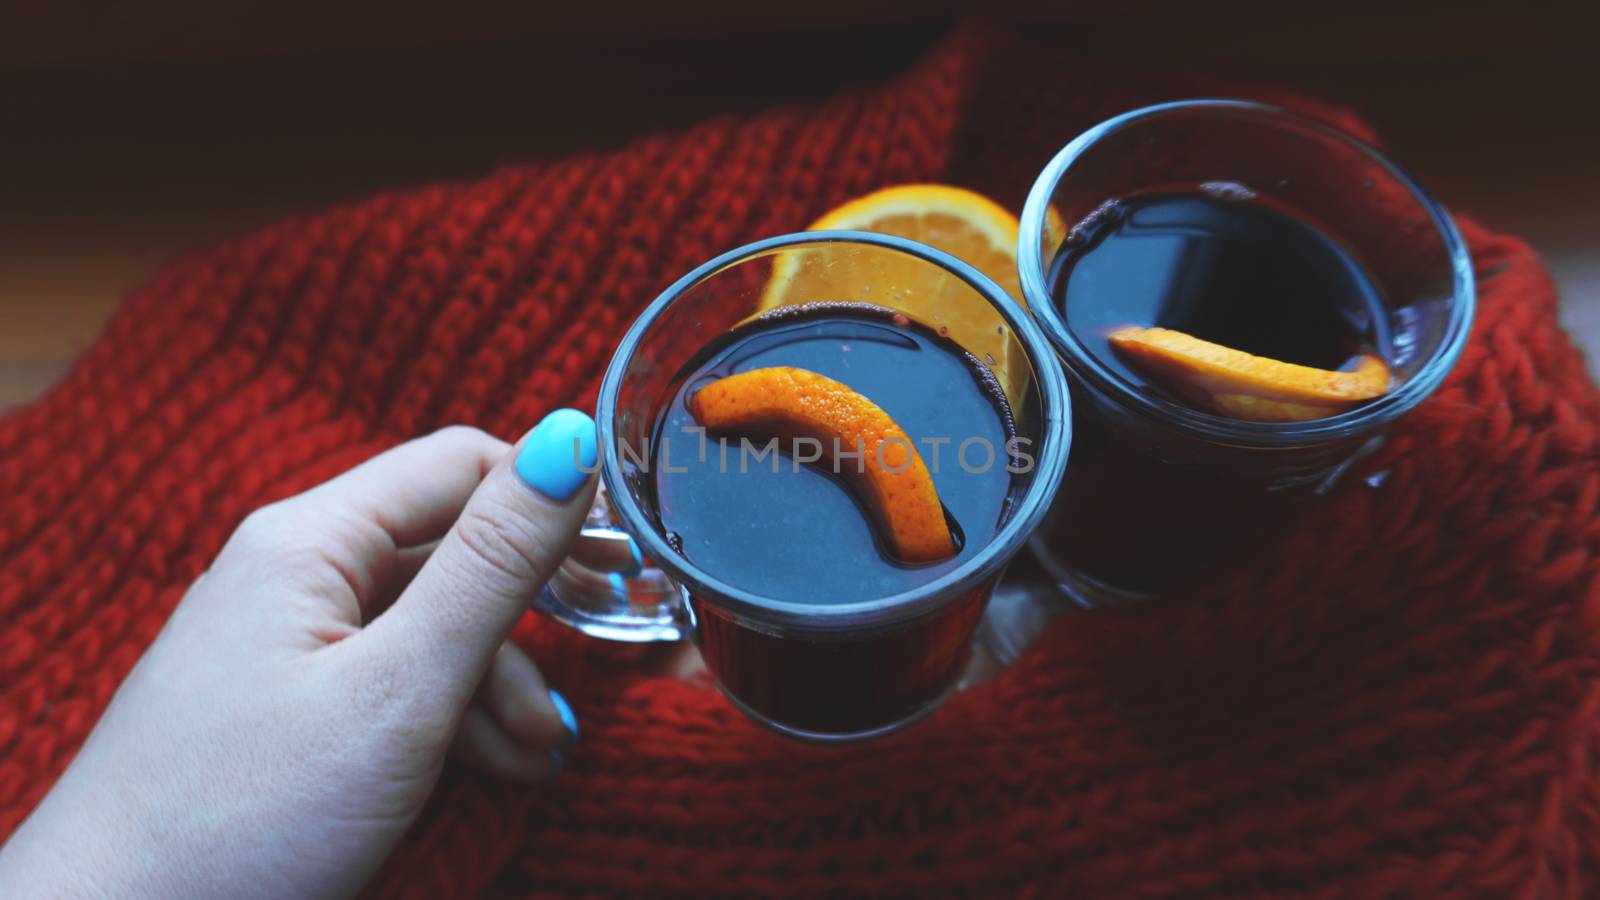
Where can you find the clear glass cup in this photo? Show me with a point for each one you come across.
(833, 671)
(1158, 494)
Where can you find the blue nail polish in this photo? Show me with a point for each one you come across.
(618, 586)
(637, 567)
(569, 721)
(558, 456)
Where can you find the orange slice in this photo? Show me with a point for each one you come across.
(1245, 386)
(965, 224)
(797, 403)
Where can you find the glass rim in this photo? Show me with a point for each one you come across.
(1428, 376)
(1049, 458)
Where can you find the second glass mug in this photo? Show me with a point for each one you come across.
(1159, 495)
(824, 672)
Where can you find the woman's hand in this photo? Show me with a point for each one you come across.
(288, 723)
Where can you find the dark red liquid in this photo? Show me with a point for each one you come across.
(1139, 508)
(800, 534)
(1227, 271)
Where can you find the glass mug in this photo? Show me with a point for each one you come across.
(1157, 493)
(825, 672)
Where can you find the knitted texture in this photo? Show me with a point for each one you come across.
(1400, 699)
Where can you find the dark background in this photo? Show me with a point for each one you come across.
(129, 131)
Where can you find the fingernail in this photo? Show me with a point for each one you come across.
(637, 568)
(558, 456)
(558, 764)
(569, 721)
(618, 585)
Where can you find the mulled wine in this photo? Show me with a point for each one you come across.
(792, 514)
(1221, 266)
(828, 445)
(1224, 267)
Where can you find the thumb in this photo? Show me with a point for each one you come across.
(509, 540)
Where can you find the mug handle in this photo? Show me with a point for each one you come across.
(649, 606)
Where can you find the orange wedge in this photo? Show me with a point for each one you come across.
(965, 224)
(1245, 386)
(889, 474)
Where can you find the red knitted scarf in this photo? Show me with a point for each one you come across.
(1400, 699)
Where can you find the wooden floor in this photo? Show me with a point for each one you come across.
(109, 171)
